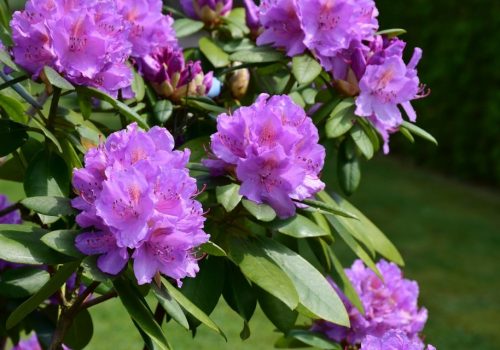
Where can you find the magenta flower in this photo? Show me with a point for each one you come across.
(172, 77)
(330, 26)
(150, 30)
(32, 343)
(393, 340)
(272, 148)
(136, 196)
(388, 82)
(208, 11)
(282, 27)
(85, 42)
(388, 305)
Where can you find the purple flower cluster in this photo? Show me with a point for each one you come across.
(388, 305)
(208, 11)
(325, 27)
(32, 343)
(86, 41)
(172, 77)
(393, 340)
(136, 194)
(272, 149)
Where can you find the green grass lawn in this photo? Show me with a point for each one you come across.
(448, 233)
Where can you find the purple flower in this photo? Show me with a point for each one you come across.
(209, 11)
(393, 340)
(32, 343)
(386, 83)
(14, 217)
(172, 77)
(84, 41)
(150, 30)
(282, 27)
(330, 26)
(388, 305)
(272, 148)
(252, 15)
(136, 196)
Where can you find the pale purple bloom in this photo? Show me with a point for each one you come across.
(208, 11)
(330, 26)
(136, 196)
(150, 30)
(84, 41)
(172, 77)
(386, 84)
(389, 304)
(393, 340)
(282, 27)
(252, 14)
(272, 148)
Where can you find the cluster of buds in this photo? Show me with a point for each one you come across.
(208, 11)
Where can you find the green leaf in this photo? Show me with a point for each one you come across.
(317, 340)
(139, 311)
(56, 79)
(170, 305)
(80, 332)
(47, 175)
(192, 309)
(120, 106)
(362, 141)
(277, 312)
(163, 110)
(138, 86)
(63, 241)
(12, 136)
(259, 269)
(328, 208)
(21, 244)
(257, 55)
(22, 282)
(419, 132)
(348, 168)
(315, 293)
(13, 108)
(7, 60)
(55, 282)
(261, 212)
(305, 68)
(239, 294)
(213, 53)
(211, 248)
(53, 206)
(325, 110)
(204, 105)
(391, 32)
(236, 23)
(341, 119)
(184, 27)
(197, 147)
(298, 226)
(228, 196)
(348, 288)
(84, 102)
(48, 134)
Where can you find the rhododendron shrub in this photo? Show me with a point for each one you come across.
(164, 150)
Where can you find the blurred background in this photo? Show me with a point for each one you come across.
(439, 205)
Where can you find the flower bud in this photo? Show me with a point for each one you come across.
(238, 82)
(208, 11)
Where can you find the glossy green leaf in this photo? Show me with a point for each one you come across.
(53, 206)
(197, 147)
(419, 132)
(49, 134)
(390, 33)
(80, 332)
(261, 212)
(22, 244)
(84, 102)
(257, 55)
(204, 105)
(47, 175)
(213, 53)
(13, 108)
(276, 311)
(192, 308)
(22, 282)
(140, 312)
(328, 208)
(12, 136)
(341, 119)
(362, 141)
(184, 27)
(298, 226)
(211, 248)
(56, 79)
(348, 168)
(305, 68)
(324, 111)
(51, 287)
(138, 86)
(315, 293)
(170, 305)
(7, 60)
(236, 22)
(163, 110)
(239, 294)
(63, 241)
(314, 339)
(259, 269)
(228, 196)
